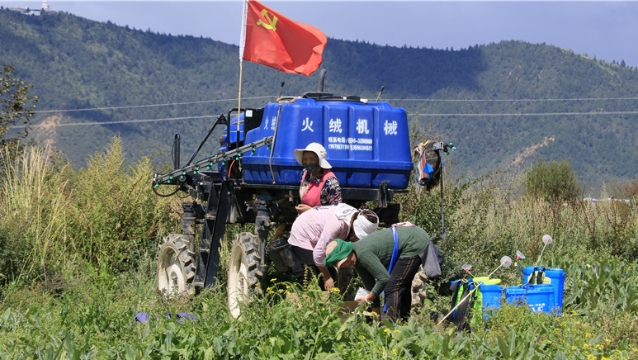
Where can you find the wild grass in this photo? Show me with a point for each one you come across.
(78, 265)
(54, 220)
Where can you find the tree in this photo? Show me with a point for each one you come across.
(16, 106)
(553, 181)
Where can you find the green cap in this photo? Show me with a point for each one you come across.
(338, 253)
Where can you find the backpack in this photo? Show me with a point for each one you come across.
(427, 162)
(461, 317)
(468, 298)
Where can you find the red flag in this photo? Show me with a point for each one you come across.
(276, 41)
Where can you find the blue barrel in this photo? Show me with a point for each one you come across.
(491, 293)
(492, 298)
(367, 143)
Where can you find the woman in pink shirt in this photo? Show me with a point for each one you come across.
(314, 229)
(319, 186)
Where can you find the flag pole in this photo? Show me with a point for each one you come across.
(242, 42)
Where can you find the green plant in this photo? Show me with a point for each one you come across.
(553, 181)
(16, 106)
(87, 306)
(116, 218)
(33, 215)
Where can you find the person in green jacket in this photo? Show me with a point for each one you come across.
(371, 258)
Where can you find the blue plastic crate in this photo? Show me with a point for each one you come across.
(553, 276)
(539, 298)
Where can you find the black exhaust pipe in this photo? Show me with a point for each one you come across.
(322, 77)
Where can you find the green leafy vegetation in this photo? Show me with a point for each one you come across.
(16, 106)
(554, 181)
(79, 268)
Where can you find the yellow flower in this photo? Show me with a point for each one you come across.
(397, 331)
(334, 290)
(585, 346)
(386, 330)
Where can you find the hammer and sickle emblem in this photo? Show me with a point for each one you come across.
(270, 24)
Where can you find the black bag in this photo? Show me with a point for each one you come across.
(431, 261)
(461, 294)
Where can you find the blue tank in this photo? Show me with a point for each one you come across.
(367, 142)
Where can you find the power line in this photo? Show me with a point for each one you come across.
(513, 100)
(267, 97)
(147, 106)
(117, 122)
(411, 114)
(535, 114)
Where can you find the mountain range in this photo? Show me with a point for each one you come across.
(504, 105)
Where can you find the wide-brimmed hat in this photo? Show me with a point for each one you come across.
(317, 149)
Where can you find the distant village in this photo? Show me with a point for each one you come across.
(35, 12)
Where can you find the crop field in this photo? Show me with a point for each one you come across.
(78, 276)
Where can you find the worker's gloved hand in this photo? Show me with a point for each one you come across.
(365, 299)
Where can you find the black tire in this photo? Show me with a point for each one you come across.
(244, 271)
(175, 266)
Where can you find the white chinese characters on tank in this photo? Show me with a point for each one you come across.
(335, 126)
(307, 125)
(362, 126)
(390, 127)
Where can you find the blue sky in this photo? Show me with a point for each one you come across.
(602, 29)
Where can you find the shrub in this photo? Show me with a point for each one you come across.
(16, 105)
(116, 219)
(553, 181)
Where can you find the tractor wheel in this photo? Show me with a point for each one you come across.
(175, 266)
(244, 271)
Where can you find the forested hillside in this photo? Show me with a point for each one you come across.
(504, 105)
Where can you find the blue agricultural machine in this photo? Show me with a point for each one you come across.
(255, 179)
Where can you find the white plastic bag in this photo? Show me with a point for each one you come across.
(361, 293)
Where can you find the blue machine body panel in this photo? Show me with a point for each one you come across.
(367, 143)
